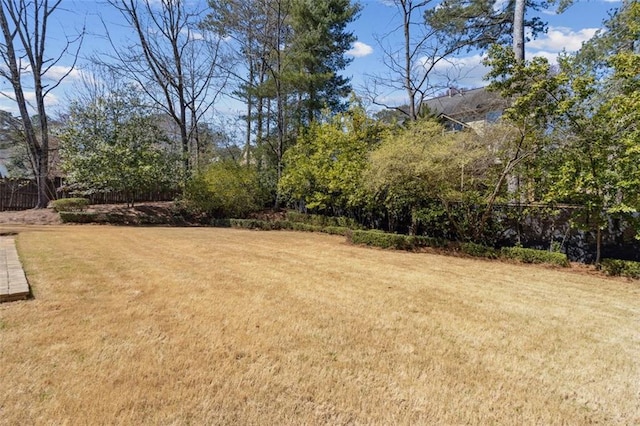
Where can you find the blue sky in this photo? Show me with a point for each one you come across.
(566, 31)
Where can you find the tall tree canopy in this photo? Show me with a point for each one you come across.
(582, 120)
(486, 22)
(292, 53)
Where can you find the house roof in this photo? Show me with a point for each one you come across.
(465, 105)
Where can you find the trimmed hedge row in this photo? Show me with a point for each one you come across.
(478, 250)
(109, 218)
(264, 225)
(375, 238)
(81, 217)
(622, 268)
(322, 221)
(70, 205)
(527, 255)
(395, 241)
(408, 242)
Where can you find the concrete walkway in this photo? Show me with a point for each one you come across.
(13, 283)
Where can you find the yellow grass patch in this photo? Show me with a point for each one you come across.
(202, 326)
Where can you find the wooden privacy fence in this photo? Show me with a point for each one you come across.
(22, 194)
(18, 194)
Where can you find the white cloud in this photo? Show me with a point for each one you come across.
(559, 38)
(56, 72)
(466, 71)
(191, 34)
(359, 50)
(552, 57)
(7, 103)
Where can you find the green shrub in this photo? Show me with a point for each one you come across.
(262, 225)
(225, 189)
(306, 227)
(336, 230)
(424, 241)
(221, 223)
(528, 255)
(323, 221)
(70, 204)
(82, 217)
(284, 224)
(381, 239)
(623, 268)
(478, 250)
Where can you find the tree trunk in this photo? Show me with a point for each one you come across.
(598, 245)
(43, 166)
(518, 30)
(247, 143)
(38, 150)
(407, 60)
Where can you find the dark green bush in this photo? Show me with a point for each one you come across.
(306, 227)
(82, 217)
(478, 250)
(424, 241)
(528, 255)
(70, 205)
(262, 225)
(225, 189)
(248, 223)
(382, 239)
(336, 230)
(323, 221)
(284, 224)
(108, 218)
(221, 223)
(623, 268)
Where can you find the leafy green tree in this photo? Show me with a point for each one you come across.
(292, 53)
(579, 123)
(114, 144)
(225, 189)
(404, 172)
(445, 182)
(319, 43)
(322, 171)
(596, 127)
(485, 22)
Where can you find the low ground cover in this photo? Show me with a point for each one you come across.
(210, 325)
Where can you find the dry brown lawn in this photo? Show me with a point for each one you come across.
(221, 326)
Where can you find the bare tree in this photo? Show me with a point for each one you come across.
(176, 65)
(24, 39)
(412, 65)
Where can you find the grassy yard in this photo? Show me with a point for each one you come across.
(221, 326)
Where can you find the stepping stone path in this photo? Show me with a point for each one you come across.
(13, 283)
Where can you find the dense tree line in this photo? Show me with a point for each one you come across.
(569, 135)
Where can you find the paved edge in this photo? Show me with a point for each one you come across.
(13, 282)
